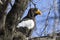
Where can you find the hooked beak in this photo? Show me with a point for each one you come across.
(38, 12)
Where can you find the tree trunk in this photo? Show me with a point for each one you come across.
(13, 18)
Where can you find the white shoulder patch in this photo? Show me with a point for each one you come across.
(28, 23)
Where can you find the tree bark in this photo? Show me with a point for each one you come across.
(13, 18)
(2, 18)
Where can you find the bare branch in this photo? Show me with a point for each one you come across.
(46, 23)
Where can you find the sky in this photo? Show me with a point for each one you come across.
(44, 6)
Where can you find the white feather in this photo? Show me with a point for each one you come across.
(28, 23)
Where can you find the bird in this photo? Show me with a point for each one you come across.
(27, 24)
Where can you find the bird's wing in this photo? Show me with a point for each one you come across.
(27, 23)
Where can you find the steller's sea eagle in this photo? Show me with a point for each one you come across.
(28, 22)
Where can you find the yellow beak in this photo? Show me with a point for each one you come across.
(38, 12)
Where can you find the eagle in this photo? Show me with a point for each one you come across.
(27, 24)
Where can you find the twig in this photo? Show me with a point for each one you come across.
(46, 23)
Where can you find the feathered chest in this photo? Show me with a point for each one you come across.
(27, 23)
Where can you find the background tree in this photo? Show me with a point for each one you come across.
(13, 16)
